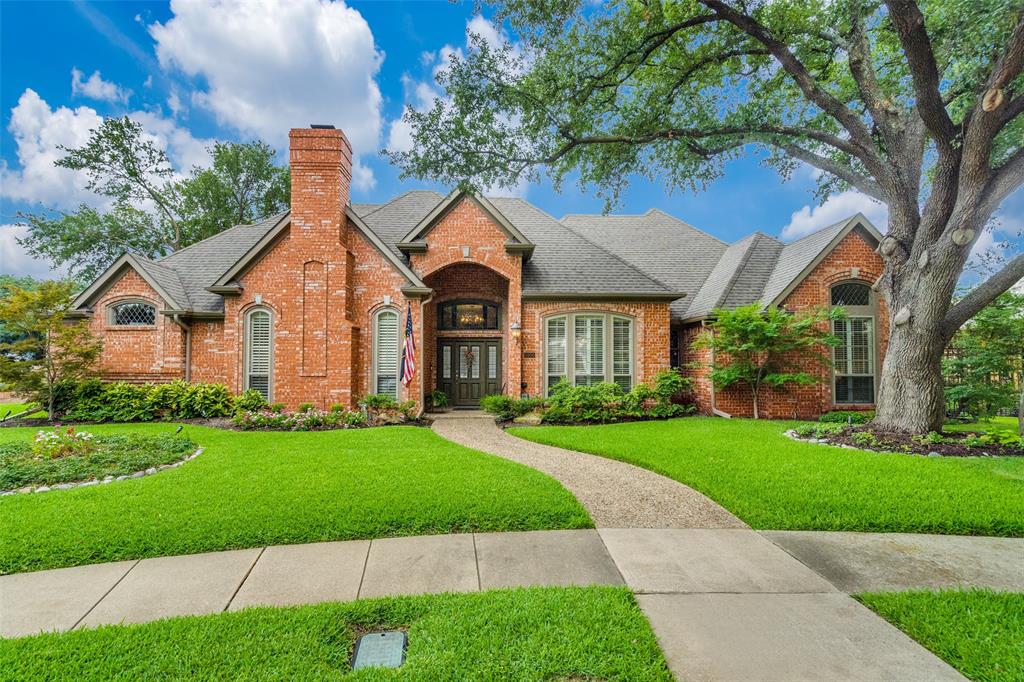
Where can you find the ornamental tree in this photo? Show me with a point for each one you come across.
(916, 104)
(757, 348)
(44, 348)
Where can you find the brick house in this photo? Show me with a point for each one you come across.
(311, 305)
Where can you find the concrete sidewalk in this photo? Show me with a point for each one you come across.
(725, 603)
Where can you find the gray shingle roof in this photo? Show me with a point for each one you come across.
(200, 265)
(653, 254)
(798, 255)
(564, 261)
(168, 279)
(662, 246)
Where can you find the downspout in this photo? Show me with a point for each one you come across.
(176, 318)
(714, 396)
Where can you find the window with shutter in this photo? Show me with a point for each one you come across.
(622, 352)
(259, 352)
(555, 350)
(602, 350)
(589, 350)
(385, 349)
(854, 357)
(854, 360)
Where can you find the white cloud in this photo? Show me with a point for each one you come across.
(271, 66)
(837, 207)
(40, 131)
(175, 104)
(97, 88)
(15, 261)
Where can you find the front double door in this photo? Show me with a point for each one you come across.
(468, 369)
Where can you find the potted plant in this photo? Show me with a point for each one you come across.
(437, 400)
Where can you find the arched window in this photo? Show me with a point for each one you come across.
(855, 362)
(602, 349)
(133, 314)
(385, 352)
(259, 351)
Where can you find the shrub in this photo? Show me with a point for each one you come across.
(378, 401)
(250, 401)
(506, 407)
(337, 407)
(169, 399)
(607, 402)
(818, 430)
(669, 384)
(847, 417)
(438, 398)
(277, 407)
(305, 407)
(207, 400)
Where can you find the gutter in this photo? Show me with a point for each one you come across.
(176, 318)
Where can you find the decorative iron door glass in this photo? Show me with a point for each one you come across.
(469, 369)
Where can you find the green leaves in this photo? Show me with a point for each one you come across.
(152, 212)
(768, 347)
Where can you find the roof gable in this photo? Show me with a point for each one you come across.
(414, 239)
(164, 281)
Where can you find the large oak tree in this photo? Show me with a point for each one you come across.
(916, 104)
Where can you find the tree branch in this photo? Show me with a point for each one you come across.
(859, 56)
(859, 133)
(1005, 179)
(843, 172)
(909, 23)
(982, 295)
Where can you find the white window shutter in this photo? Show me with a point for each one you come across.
(386, 362)
(260, 353)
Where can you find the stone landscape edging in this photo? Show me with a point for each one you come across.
(107, 479)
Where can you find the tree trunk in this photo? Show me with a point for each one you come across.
(754, 392)
(1020, 411)
(911, 398)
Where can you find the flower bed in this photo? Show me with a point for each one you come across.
(377, 410)
(64, 457)
(599, 403)
(993, 444)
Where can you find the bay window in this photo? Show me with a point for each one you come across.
(601, 349)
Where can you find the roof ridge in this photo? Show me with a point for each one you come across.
(739, 268)
(616, 257)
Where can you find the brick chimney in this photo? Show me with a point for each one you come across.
(321, 164)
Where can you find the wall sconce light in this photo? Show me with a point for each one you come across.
(517, 330)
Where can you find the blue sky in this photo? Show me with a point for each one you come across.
(192, 73)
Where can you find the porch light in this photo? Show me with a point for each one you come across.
(517, 330)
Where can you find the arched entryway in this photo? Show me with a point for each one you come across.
(466, 333)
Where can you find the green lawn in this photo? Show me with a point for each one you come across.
(770, 481)
(263, 488)
(594, 633)
(985, 425)
(16, 408)
(978, 632)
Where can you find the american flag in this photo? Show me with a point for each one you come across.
(408, 369)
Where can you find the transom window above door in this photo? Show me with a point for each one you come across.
(455, 315)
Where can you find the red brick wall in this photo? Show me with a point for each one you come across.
(468, 281)
(137, 354)
(853, 258)
(650, 336)
(488, 270)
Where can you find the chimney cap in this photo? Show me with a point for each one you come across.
(321, 126)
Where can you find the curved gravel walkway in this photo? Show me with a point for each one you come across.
(617, 495)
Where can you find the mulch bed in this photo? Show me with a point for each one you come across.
(902, 443)
(216, 423)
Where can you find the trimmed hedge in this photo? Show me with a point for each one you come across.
(847, 417)
(98, 401)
